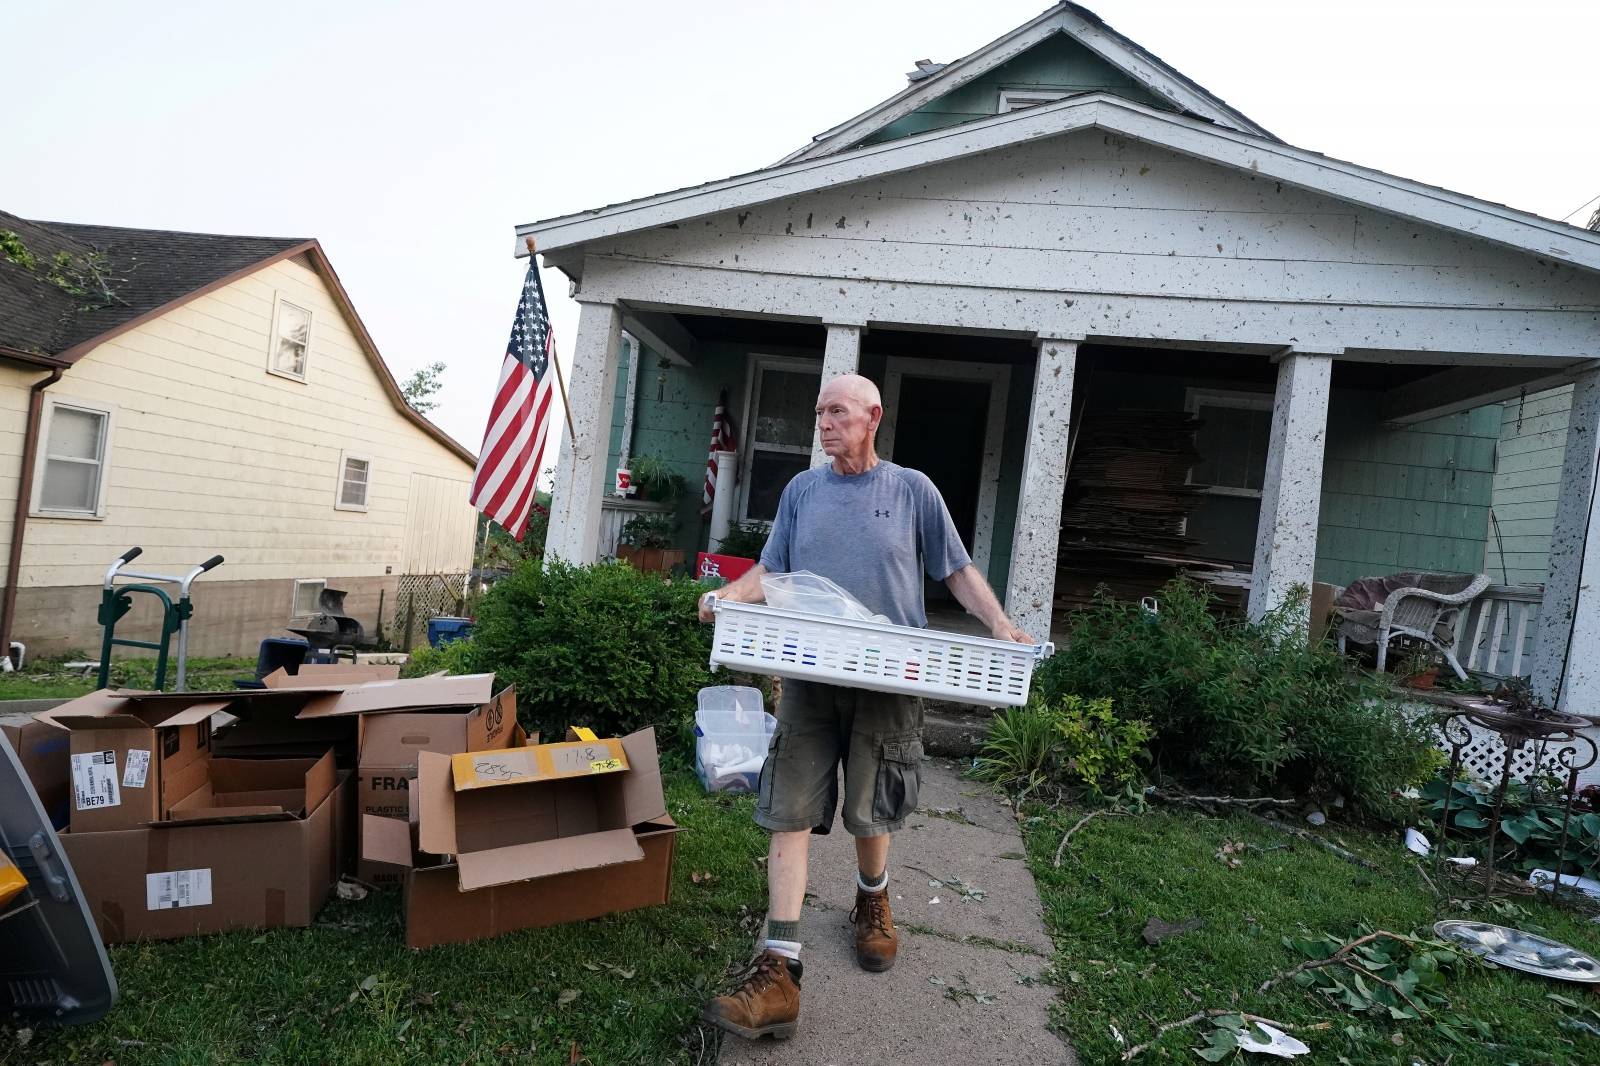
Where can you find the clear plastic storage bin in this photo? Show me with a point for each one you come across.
(732, 733)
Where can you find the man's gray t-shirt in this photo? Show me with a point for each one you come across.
(873, 533)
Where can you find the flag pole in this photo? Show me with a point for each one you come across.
(561, 383)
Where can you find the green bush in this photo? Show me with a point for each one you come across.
(1530, 826)
(1244, 706)
(1072, 741)
(456, 657)
(604, 646)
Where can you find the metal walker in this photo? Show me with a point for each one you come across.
(117, 600)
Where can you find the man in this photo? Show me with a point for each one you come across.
(874, 528)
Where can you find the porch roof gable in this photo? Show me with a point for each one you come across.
(1072, 20)
(1258, 156)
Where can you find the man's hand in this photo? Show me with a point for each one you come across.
(748, 589)
(1005, 630)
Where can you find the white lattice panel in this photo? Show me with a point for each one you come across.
(1485, 753)
(871, 655)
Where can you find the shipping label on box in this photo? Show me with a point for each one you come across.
(546, 762)
(177, 888)
(94, 780)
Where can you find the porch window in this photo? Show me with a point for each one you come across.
(783, 396)
(1232, 441)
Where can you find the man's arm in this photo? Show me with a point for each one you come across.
(974, 593)
(747, 589)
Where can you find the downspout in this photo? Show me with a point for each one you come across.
(630, 401)
(19, 518)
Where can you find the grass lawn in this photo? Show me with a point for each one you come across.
(49, 678)
(626, 988)
(1123, 871)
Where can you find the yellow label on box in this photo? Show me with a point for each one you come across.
(544, 762)
(585, 733)
(11, 881)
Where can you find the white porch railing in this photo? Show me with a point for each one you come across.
(615, 512)
(1494, 634)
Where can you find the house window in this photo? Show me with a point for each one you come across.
(291, 340)
(354, 471)
(1017, 99)
(71, 474)
(1232, 441)
(783, 403)
(307, 597)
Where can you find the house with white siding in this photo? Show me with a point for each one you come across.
(1125, 329)
(200, 394)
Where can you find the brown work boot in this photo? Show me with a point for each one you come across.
(766, 1004)
(876, 942)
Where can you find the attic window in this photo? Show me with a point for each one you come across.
(291, 340)
(1017, 99)
(354, 471)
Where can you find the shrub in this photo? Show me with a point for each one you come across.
(1245, 706)
(604, 646)
(1070, 741)
(745, 540)
(1530, 826)
(456, 657)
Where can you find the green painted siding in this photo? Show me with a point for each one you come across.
(1415, 498)
(1527, 482)
(1059, 64)
(673, 421)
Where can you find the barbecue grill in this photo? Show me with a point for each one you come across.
(330, 631)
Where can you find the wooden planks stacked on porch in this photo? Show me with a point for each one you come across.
(1128, 500)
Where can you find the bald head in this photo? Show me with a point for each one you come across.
(852, 387)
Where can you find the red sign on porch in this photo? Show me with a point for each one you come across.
(727, 567)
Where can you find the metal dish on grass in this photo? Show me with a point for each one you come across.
(1518, 950)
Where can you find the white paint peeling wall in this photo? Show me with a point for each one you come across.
(1030, 591)
(210, 453)
(1286, 538)
(581, 477)
(1566, 651)
(841, 354)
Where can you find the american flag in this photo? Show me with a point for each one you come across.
(519, 421)
(723, 439)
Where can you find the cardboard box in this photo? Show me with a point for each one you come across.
(390, 743)
(180, 878)
(239, 790)
(43, 748)
(131, 759)
(532, 849)
(315, 675)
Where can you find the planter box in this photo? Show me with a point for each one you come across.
(654, 560)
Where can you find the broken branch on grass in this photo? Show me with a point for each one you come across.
(1341, 957)
(1200, 1016)
(1326, 845)
(1189, 799)
(1081, 823)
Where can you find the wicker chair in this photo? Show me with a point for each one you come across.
(1424, 607)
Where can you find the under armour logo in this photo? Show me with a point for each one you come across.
(880, 514)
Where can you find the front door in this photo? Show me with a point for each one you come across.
(939, 430)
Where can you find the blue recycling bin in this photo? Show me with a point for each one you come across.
(442, 631)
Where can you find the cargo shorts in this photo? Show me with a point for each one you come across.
(876, 737)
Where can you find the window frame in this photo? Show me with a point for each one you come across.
(108, 412)
(339, 504)
(1238, 399)
(278, 302)
(1022, 99)
(294, 598)
(757, 365)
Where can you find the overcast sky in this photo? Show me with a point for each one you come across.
(410, 138)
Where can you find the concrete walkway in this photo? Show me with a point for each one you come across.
(967, 987)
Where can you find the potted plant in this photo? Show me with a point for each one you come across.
(1419, 669)
(744, 540)
(657, 481)
(646, 543)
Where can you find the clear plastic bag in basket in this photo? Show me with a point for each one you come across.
(811, 593)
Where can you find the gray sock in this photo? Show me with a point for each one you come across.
(777, 930)
(872, 886)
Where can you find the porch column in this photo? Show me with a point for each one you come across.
(840, 355)
(1566, 649)
(581, 477)
(1031, 585)
(1291, 492)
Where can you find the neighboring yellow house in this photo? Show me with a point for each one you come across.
(197, 394)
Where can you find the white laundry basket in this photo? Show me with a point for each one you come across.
(873, 655)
